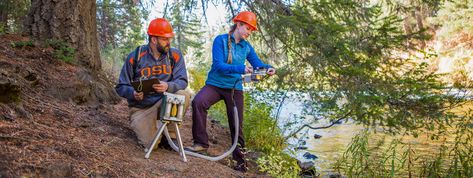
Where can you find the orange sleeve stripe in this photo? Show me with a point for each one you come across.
(142, 54)
(176, 56)
(132, 61)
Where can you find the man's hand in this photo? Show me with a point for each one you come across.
(271, 71)
(138, 95)
(248, 69)
(161, 87)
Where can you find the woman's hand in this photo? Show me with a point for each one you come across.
(248, 69)
(271, 71)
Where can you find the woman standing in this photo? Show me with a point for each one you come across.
(229, 53)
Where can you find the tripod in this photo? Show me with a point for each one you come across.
(172, 110)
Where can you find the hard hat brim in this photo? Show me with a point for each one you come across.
(166, 35)
(252, 26)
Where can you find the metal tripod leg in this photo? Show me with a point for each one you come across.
(179, 140)
(160, 131)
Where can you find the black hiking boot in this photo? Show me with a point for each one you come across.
(241, 167)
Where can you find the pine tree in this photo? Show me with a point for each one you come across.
(120, 24)
(187, 27)
(347, 56)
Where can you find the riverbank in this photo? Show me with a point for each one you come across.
(44, 135)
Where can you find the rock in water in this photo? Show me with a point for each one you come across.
(337, 122)
(308, 155)
(306, 165)
(307, 169)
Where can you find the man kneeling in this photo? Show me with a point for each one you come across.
(154, 60)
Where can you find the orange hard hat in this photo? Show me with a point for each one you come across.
(247, 17)
(160, 27)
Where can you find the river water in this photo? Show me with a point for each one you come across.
(334, 140)
(327, 148)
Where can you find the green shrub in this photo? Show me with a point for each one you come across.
(2, 29)
(279, 164)
(260, 129)
(197, 78)
(62, 51)
(219, 112)
(20, 44)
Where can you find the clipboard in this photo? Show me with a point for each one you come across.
(145, 86)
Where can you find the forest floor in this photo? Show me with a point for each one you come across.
(42, 135)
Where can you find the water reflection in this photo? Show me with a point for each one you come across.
(331, 145)
(334, 141)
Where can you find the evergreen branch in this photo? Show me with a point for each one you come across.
(166, 8)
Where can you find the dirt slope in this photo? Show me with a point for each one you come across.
(47, 134)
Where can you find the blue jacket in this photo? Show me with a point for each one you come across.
(224, 75)
(149, 67)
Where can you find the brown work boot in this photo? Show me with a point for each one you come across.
(196, 148)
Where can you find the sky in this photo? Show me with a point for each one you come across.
(215, 14)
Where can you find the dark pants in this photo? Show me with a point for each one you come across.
(208, 96)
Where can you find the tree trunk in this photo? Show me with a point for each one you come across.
(179, 35)
(104, 20)
(4, 5)
(420, 24)
(72, 21)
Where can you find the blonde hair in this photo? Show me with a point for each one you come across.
(232, 29)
